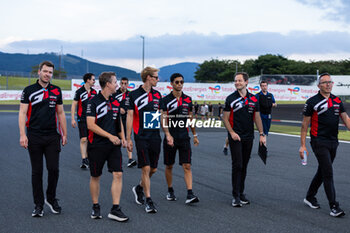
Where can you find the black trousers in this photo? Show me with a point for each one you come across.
(240, 154)
(325, 153)
(38, 147)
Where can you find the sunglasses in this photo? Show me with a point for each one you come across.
(177, 82)
(156, 77)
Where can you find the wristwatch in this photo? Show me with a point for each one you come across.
(262, 134)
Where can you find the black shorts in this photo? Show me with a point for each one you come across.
(185, 153)
(148, 151)
(98, 155)
(83, 131)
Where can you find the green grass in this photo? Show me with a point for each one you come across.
(295, 130)
(19, 83)
(290, 102)
(17, 102)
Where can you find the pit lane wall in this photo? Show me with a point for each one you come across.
(219, 92)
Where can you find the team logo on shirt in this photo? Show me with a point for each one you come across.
(321, 107)
(237, 104)
(151, 120)
(141, 101)
(101, 110)
(119, 97)
(36, 97)
(172, 106)
(84, 96)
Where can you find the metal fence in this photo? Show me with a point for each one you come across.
(12, 80)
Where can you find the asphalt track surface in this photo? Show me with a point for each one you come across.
(276, 191)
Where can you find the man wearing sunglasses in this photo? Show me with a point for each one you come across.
(142, 103)
(176, 112)
(323, 111)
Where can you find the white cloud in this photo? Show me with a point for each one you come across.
(78, 20)
(108, 31)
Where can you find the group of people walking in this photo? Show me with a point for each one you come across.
(106, 121)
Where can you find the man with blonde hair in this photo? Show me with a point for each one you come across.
(144, 117)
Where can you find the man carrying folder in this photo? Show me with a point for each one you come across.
(240, 112)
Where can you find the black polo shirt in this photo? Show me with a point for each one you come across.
(83, 96)
(242, 110)
(140, 101)
(107, 117)
(178, 111)
(121, 96)
(42, 109)
(265, 102)
(324, 115)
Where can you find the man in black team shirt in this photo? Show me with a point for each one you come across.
(142, 103)
(40, 104)
(104, 124)
(240, 112)
(121, 94)
(323, 111)
(81, 97)
(176, 111)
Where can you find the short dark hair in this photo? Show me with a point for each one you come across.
(263, 81)
(105, 78)
(244, 74)
(321, 75)
(46, 63)
(87, 76)
(124, 79)
(175, 75)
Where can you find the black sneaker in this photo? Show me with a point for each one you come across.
(55, 208)
(191, 198)
(312, 202)
(244, 200)
(225, 150)
(118, 215)
(171, 196)
(38, 211)
(150, 208)
(236, 202)
(84, 163)
(336, 211)
(132, 163)
(96, 212)
(139, 196)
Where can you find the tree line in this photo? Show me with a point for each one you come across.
(223, 70)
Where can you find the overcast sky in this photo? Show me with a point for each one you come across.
(177, 31)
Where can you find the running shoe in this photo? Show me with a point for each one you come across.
(236, 202)
(191, 198)
(54, 207)
(312, 202)
(336, 211)
(84, 163)
(150, 208)
(118, 215)
(138, 193)
(96, 212)
(132, 163)
(225, 151)
(171, 196)
(38, 211)
(244, 200)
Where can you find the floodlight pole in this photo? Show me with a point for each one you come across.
(143, 52)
